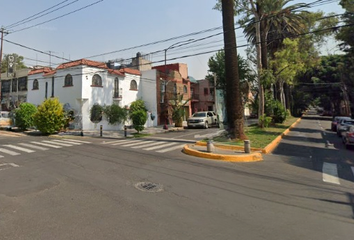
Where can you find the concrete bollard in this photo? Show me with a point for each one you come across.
(125, 130)
(210, 146)
(247, 146)
(100, 130)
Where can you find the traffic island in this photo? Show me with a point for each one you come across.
(222, 154)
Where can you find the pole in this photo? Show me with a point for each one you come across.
(2, 45)
(166, 81)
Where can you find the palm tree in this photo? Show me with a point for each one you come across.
(278, 22)
(234, 105)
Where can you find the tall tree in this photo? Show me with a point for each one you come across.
(233, 93)
(216, 66)
(18, 61)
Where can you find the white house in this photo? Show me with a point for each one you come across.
(81, 84)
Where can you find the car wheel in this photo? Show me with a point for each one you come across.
(206, 126)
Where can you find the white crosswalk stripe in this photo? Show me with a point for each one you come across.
(132, 143)
(171, 148)
(58, 143)
(160, 146)
(330, 173)
(20, 148)
(148, 145)
(34, 147)
(46, 144)
(120, 142)
(66, 142)
(75, 140)
(12, 153)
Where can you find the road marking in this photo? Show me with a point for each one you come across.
(35, 147)
(66, 142)
(122, 142)
(46, 144)
(171, 148)
(74, 140)
(12, 153)
(57, 143)
(132, 143)
(20, 148)
(117, 141)
(330, 173)
(148, 144)
(160, 146)
(7, 164)
(1, 156)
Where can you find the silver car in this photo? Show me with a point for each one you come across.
(343, 126)
(348, 137)
(203, 119)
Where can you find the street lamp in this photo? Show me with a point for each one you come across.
(177, 44)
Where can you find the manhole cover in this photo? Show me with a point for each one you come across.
(149, 187)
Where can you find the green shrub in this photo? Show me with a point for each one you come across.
(49, 117)
(139, 119)
(136, 106)
(266, 120)
(24, 115)
(96, 113)
(279, 112)
(115, 114)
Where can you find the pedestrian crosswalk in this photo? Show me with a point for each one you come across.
(33, 146)
(159, 146)
(331, 173)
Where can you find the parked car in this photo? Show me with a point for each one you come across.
(203, 119)
(5, 120)
(348, 137)
(336, 120)
(343, 125)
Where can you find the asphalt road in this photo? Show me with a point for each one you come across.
(88, 190)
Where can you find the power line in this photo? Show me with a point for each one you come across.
(33, 17)
(61, 16)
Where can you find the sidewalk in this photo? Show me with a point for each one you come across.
(120, 133)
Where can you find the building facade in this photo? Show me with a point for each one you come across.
(14, 89)
(81, 84)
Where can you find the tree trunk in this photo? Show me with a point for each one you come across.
(259, 68)
(234, 105)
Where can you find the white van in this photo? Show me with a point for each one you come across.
(5, 120)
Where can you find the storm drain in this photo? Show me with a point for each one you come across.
(149, 187)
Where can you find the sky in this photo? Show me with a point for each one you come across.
(189, 31)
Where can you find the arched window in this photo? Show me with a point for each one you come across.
(96, 81)
(185, 89)
(116, 88)
(133, 85)
(68, 80)
(35, 84)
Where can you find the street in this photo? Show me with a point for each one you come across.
(101, 188)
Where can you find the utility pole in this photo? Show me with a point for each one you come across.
(2, 30)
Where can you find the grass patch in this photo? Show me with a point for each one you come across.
(140, 135)
(259, 137)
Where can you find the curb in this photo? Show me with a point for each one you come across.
(228, 147)
(252, 157)
(271, 146)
